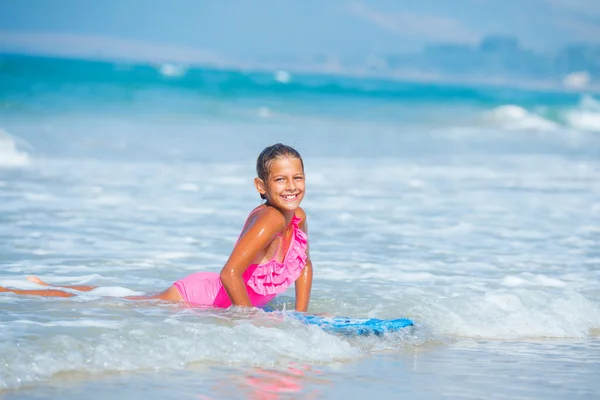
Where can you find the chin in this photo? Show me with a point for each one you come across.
(288, 206)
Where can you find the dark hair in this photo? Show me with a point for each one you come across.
(270, 154)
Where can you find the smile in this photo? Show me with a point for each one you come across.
(290, 197)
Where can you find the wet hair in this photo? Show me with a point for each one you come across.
(270, 154)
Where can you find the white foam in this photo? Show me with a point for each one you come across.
(233, 180)
(38, 196)
(543, 280)
(512, 281)
(400, 276)
(111, 291)
(197, 210)
(111, 200)
(509, 313)
(188, 187)
(172, 70)
(172, 255)
(10, 155)
(528, 279)
(22, 284)
(505, 302)
(514, 117)
(584, 120)
(283, 76)
(40, 252)
(189, 239)
(586, 116)
(138, 345)
(416, 183)
(71, 279)
(79, 323)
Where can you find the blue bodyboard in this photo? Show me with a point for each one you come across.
(354, 326)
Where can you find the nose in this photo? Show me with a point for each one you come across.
(291, 185)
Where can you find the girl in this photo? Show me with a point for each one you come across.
(270, 254)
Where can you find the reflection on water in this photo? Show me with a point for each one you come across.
(268, 384)
(258, 383)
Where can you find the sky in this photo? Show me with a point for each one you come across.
(217, 30)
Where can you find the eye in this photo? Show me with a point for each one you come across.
(299, 178)
(278, 179)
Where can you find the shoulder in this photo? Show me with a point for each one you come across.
(301, 214)
(267, 218)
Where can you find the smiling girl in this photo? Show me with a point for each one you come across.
(270, 254)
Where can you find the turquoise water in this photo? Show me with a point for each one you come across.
(472, 210)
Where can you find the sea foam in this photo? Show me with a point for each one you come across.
(514, 117)
(10, 154)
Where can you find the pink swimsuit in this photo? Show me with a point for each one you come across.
(263, 281)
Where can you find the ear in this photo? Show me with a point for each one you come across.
(260, 186)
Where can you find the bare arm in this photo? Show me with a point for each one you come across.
(256, 238)
(304, 281)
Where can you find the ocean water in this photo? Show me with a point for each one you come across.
(473, 210)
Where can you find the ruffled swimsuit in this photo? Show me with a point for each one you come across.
(263, 281)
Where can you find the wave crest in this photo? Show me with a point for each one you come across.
(586, 117)
(514, 117)
(10, 155)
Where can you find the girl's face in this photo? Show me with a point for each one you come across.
(284, 187)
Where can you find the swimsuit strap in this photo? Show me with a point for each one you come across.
(295, 227)
(294, 238)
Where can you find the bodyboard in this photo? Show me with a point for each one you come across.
(354, 326)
